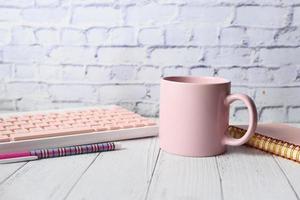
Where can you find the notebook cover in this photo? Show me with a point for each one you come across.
(278, 131)
(278, 139)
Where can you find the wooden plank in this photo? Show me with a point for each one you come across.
(119, 175)
(248, 173)
(6, 170)
(46, 179)
(178, 177)
(291, 170)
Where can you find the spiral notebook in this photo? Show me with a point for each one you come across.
(278, 139)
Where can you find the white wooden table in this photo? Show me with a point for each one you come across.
(142, 171)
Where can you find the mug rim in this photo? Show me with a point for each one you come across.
(196, 80)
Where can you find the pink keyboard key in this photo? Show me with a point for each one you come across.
(27, 126)
(42, 124)
(56, 123)
(75, 118)
(6, 124)
(20, 131)
(114, 127)
(35, 129)
(11, 119)
(6, 132)
(4, 138)
(138, 124)
(100, 128)
(64, 126)
(12, 127)
(125, 125)
(148, 122)
(21, 122)
(51, 133)
(50, 120)
(79, 125)
(69, 121)
(51, 127)
(36, 121)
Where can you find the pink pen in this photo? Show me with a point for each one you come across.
(14, 155)
(58, 152)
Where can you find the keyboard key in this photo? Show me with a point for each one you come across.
(20, 123)
(50, 127)
(51, 133)
(28, 126)
(125, 125)
(35, 129)
(100, 128)
(6, 132)
(114, 127)
(138, 124)
(20, 131)
(12, 127)
(42, 124)
(149, 122)
(6, 124)
(4, 138)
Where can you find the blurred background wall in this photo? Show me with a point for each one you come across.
(67, 53)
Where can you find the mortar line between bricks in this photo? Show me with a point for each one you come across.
(57, 83)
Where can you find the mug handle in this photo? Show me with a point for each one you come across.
(227, 140)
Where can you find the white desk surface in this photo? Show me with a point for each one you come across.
(142, 171)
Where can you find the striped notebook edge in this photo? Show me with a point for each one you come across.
(268, 144)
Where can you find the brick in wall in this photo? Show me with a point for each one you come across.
(105, 16)
(44, 15)
(121, 55)
(98, 74)
(97, 36)
(110, 93)
(175, 56)
(47, 36)
(206, 14)
(10, 14)
(24, 53)
(4, 36)
(279, 56)
(71, 36)
(73, 55)
(73, 93)
(228, 56)
(23, 35)
(270, 17)
(151, 14)
(151, 36)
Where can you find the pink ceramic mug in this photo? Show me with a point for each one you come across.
(194, 115)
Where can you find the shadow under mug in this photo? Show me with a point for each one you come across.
(194, 115)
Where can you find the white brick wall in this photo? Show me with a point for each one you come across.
(57, 53)
(266, 16)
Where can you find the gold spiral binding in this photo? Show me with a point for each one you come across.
(269, 144)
